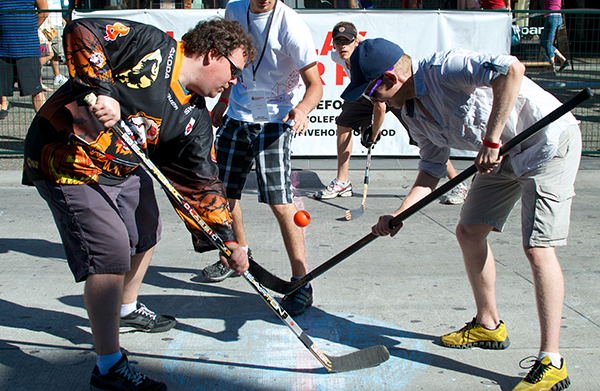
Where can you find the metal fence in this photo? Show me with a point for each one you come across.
(578, 38)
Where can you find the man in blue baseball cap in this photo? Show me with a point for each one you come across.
(473, 101)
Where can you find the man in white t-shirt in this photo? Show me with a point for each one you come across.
(267, 107)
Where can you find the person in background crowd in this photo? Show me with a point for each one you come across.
(552, 22)
(20, 51)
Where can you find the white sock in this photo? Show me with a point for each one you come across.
(554, 357)
(104, 363)
(127, 309)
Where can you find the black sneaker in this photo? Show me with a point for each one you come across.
(124, 376)
(144, 319)
(217, 272)
(296, 302)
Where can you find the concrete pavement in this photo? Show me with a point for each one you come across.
(401, 292)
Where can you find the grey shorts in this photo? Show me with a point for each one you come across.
(27, 71)
(546, 194)
(102, 226)
(238, 144)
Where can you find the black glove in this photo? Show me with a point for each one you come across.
(366, 135)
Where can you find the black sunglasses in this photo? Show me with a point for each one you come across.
(342, 41)
(236, 72)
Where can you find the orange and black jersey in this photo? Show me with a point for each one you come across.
(138, 65)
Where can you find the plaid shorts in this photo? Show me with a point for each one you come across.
(238, 144)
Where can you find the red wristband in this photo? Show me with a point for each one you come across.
(231, 241)
(490, 144)
(223, 100)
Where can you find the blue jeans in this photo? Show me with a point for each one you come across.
(551, 23)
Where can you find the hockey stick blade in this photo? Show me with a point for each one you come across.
(356, 213)
(346, 363)
(361, 359)
(286, 287)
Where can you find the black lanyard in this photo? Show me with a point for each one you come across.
(255, 68)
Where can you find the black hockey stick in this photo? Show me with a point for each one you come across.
(356, 213)
(365, 358)
(286, 287)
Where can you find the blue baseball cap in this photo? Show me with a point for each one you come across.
(371, 59)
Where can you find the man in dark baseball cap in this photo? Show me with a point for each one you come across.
(346, 32)
(371, 59)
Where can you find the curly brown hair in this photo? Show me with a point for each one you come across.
(221, 34)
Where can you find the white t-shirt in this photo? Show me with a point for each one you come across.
(290, 48)
(335, 57)
(55, 18)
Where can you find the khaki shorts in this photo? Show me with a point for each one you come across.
(546, 194)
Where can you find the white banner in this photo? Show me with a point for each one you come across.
(419, 33)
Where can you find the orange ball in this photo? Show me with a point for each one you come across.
(302, 218)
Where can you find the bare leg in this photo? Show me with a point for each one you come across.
(133, 278)
(293, 237)
(38, 101)
(4, 103)
(549, 294)
(450, 169)
(102, 296)
(560, 56)
(54, 65)
(481, 270)
(238, 221)
(344, 151)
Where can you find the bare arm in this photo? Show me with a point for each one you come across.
(220, 108)
(379, 109)
(506, 90)
(312, 97)
(41, 16)
(423, 186)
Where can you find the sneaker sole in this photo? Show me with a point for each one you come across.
(220, 278)
(493, 345)
(131, 329)
(561, 385)
(329, 197)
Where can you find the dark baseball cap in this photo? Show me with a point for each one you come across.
(371, 59)
(344, 31)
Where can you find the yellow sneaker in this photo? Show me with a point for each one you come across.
(544, 376)
(475, 335)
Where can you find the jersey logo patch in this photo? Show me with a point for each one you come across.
(144, 73)
(189, 127)
(98, 60)
(114, 31)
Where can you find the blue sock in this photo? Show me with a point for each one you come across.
(104, 363)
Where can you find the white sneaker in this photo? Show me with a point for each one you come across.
(456, 196)
(335, 188)
(59, 80)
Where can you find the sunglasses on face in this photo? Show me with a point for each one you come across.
(235, 70)
(342, 41)
(373, 85)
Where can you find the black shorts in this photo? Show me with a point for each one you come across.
(357, 114)
(102, 226)
(27, 71)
